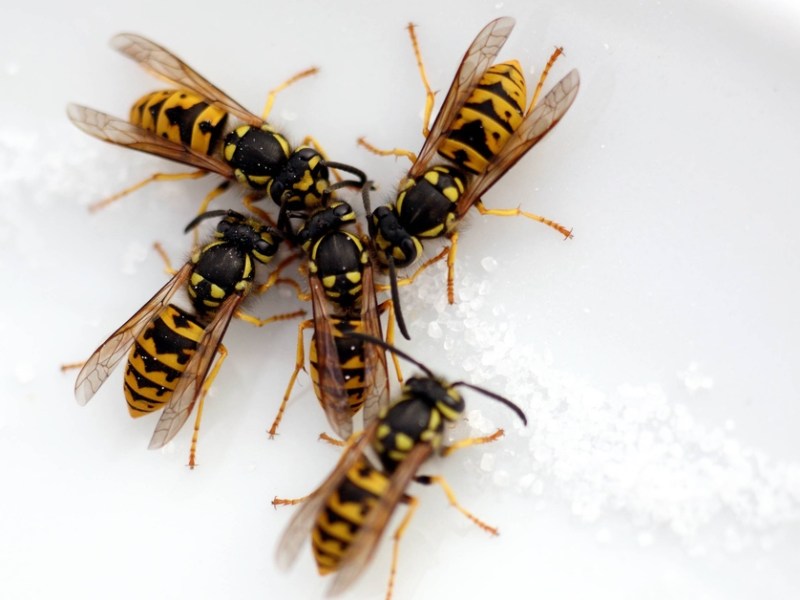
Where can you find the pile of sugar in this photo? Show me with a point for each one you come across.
(630, 451)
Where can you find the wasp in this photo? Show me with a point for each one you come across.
(171, 350)
(349, 512)
(481, 131)
(200, 126)
(347, 374)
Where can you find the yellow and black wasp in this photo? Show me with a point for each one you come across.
(171, 350)
(193, 126)
(347, 374)
(481, 131)
(349, 512)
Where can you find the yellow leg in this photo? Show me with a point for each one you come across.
(448, 491)
(70, 366)
(209, 198)
(466, 442)
(276, 502)
(382, 287)
(274, 277)
(249, 203)
(256, 322)
(299, 364)
(429, 94)
(332, 441)
(556, 53)
(168, 268)
(516, 212)
(451, 267)
(223, 353)
(154, 177)
(393, 152)
(413, 504)
(382, 307)
(274, 91)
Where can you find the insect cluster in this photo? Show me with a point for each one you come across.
(485, 125)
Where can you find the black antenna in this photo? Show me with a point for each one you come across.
(497, 397)
(395, 291)
(362, 177)
(429, 373)
(379, 342)
(209, 215)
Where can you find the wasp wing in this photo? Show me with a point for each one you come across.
(535, 126)
(100, 364)
(190, 385)
(477, 59)
(163, 64)
(363, 548)
(122, 133)
(333, 395)
(376, 373)
(302, 521)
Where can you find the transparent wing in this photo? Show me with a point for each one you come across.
(190, 385)
(363, 547)
(331, 379)
(297, 531)
(535, 126)
(376, 373)
(105, 358)
(117, 131)
(478, 58)
(163, 64)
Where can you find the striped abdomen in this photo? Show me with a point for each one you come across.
(158, 358)
(181, 117)
(493, 111)
(344, 513)
(351, 360)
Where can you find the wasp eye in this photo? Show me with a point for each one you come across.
(265, 247)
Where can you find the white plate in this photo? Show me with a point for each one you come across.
(655, 353)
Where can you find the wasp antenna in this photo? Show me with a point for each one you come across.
(362, 177)
(208, 215)
(398, 311)
(365, 197)
(392, 349)
(497, 397)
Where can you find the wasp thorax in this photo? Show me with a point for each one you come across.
(426, 205)
(257, 154)
(436, 392)
(248, 235)
(324, 221)
(302, 181)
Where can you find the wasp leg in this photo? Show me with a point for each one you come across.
(487, 439)
(276, 502)
(393, 152)
(276, 90)
(451, 266)
(154, 177)
(168, 268)
(448, 491)
(70, 366)
(516, 212)
(299, 364)
(413, 504)
(429, 93)
(223, 353)
(332, 441)
(388, 305)
(256, 322)
(556, 53)
(274, 278)
(401, 281)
